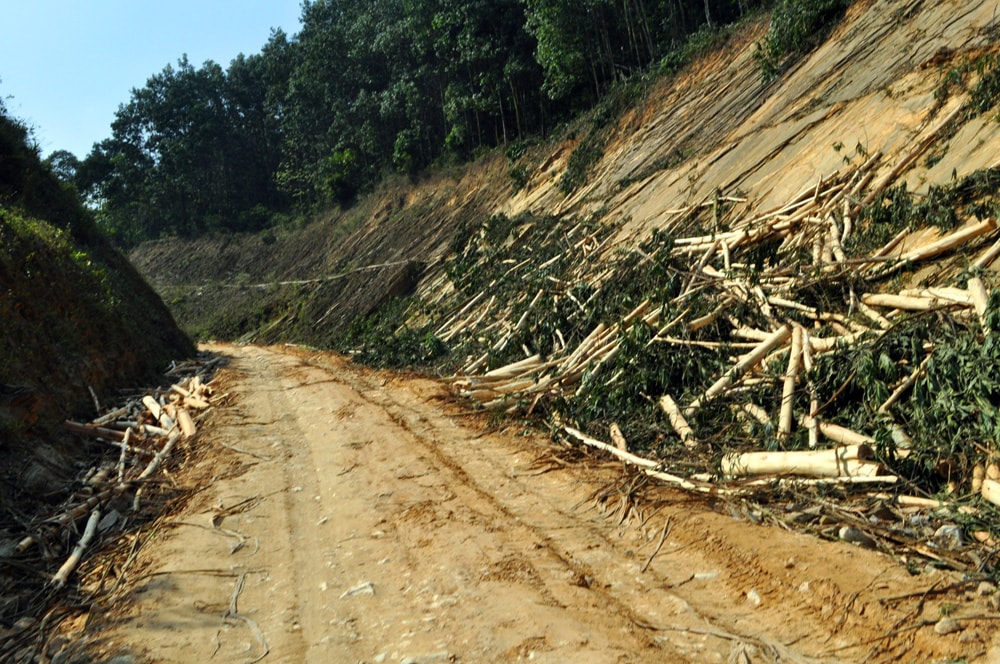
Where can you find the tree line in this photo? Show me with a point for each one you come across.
(362, 90)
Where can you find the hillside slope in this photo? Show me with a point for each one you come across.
(75, 318)
(723, 213)
(875, 86)
(887, 79)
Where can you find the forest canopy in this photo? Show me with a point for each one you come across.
(364, 89)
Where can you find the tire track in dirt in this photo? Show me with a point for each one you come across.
(378, 524)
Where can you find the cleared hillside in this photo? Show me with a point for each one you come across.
(719, 213)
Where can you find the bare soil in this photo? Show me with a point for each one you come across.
(346, 515)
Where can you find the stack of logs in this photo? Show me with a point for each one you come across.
(144, 431)
(810, 233)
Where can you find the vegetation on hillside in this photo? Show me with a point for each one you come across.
(74, 315)
(949, 415)
(366, 89)
(796, 26)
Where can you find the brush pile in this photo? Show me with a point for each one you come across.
(108, 497)
(834, 338)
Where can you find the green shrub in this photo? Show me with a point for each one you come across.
(797, 26)
(519, 176)
(984, 95)
(383, 339)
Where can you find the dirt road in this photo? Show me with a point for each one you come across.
(352, 516)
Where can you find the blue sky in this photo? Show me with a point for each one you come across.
(66, 65)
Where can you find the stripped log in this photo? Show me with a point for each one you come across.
(677, 421)
(980, 300)
(990, 491)
(153, 406)
(905, 302)
(807, 363)
(60, 577)
(618, 438)
(111, 416)
(648, 466)
(95, 431)
(948, 242)
(777, 338)
(849, 461)
(905, 385)
(942, 294)
(514, 368)
(185, 423)
(825, 344)
(788, 389)
(987, 257)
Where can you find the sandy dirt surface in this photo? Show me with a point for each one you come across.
(346, 515)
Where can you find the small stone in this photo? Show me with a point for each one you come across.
(968, 636)
(365, 588)
(949, 537)
(856, 536)
(985, 588)
(753, 598)
(947, 625)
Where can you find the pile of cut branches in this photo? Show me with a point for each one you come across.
(107, 498)
(784, 344)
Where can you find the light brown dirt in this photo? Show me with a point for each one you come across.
(347, 515)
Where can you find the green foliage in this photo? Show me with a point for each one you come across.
(797, 26)
(194, 150)
(558, 312)
(952, 414)
(29, 185)
(366, 90)
(519, 176)
(986, 92)
(383, 339)
(587, 153)
(977, 194)
(697, 43)
(342, 175)
(983, 95)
